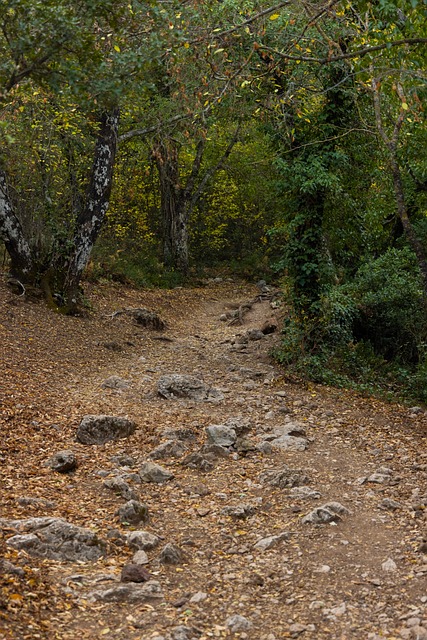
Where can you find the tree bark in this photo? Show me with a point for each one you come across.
(91, 218)
(17, 246)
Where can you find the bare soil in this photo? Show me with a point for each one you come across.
(325, 581)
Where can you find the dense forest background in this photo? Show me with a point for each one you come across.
(153, 142)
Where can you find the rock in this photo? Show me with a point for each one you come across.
(271, 541)
(140, 557)
(255, 334)
(28, 501)
(221, 434)
(169, 449)
(289, 443)
(238, 623)
(133, 512)
(183, 433)
(121, 488)
(269, 326)
(389, 504)
(306, 493)
(10, 568)
(56, 539)
(265, 447)
(123, 460)
(198, 597)
(148, 319)
(290, 429)
(239, 512)
(329, 512)
(171, 554)
(176, 386)
(134, 573)
(212, 451)
(63, 461)
(115, 382)
(142, 540)
(182, 632)
(245, 445)
(195, 460)
(152, 472)
(297, 629)
(283, 478)
(101, 429)
(418, 633)
(131, 593)
(389, 565)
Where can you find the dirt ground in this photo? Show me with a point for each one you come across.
(359, 577)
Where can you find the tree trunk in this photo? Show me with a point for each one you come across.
(404, 218)
(90, 219)
(174, 210)
(17, 246)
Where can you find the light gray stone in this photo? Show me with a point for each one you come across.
(289, 443)
(115, 382)
(121, 488)
(306, 493)
(169, 449)
(171, 554)
(133, 512)
(329, 512)
(283, 478)
(142, 540)
(130, 592)
(237, 623)
(175, 386)
(56, 539)
(271, 541)
(152, 472)
(63, 461)
(221, 434)
(140, 557)
(239, 512)
(101, 429)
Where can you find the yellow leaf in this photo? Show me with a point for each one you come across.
(275, 16)
(405, 106)
(117, 48)
(16, 597)
(186, 45)
(105, 631)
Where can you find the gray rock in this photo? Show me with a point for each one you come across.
(265, 447)
(283, 478)
(123, 460)
(183, 632)
(221, 434)
(289, 429)
(133, 512)
(152, 472)
(176, 386)
(115, 382)
(56, 539)
(271, 541)
(239, 512)
(62, 461)
(171, 554)
(12, 569)
(131, 592)
(238, 623)
(142, 540)
(197, 461)
(134, 573)
(148, 319)
(169, 449)
(389, 504)
(289, 443)
(28, 501)
(329, 512)
(306, 493)
(212, 451)
(101, 429)
(255, 334)
(121, 488)
(140, 557)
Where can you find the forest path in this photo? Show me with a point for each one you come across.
(360, 576)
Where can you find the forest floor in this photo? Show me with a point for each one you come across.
(363, 575)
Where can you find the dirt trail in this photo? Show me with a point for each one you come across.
(361, 576)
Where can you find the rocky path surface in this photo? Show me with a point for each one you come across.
(238, 504)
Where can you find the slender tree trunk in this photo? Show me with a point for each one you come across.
(174, 210)
(91, 218)
(17, 246)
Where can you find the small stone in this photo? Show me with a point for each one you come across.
(255, 334)
(134, 573)
(123, 460)
(297, 629)
(221, 434)
(237, 623)
(101, 429)
(305, 493)
(10, 568)
(289, 443)
(389, 565)
(121, 488)
(181, 632)
(283, 478)
(271, 541)
(239, 512)
(133, 512)
(63, 461)
(329, 512)
(198, 597)
(171, 554)
(152, 472)
(142, 540)
(418, 633)
(197, 461)
(115, 382)
(140, 557)
(389, 504)
(131, 593)
(169, 449)
(339, 610)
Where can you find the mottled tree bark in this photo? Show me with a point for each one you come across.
(12, 233)
(90, 219)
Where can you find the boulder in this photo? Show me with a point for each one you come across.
(62, 461)
(56, 539)
(152, 472)
(101, 429)
(174, 386)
